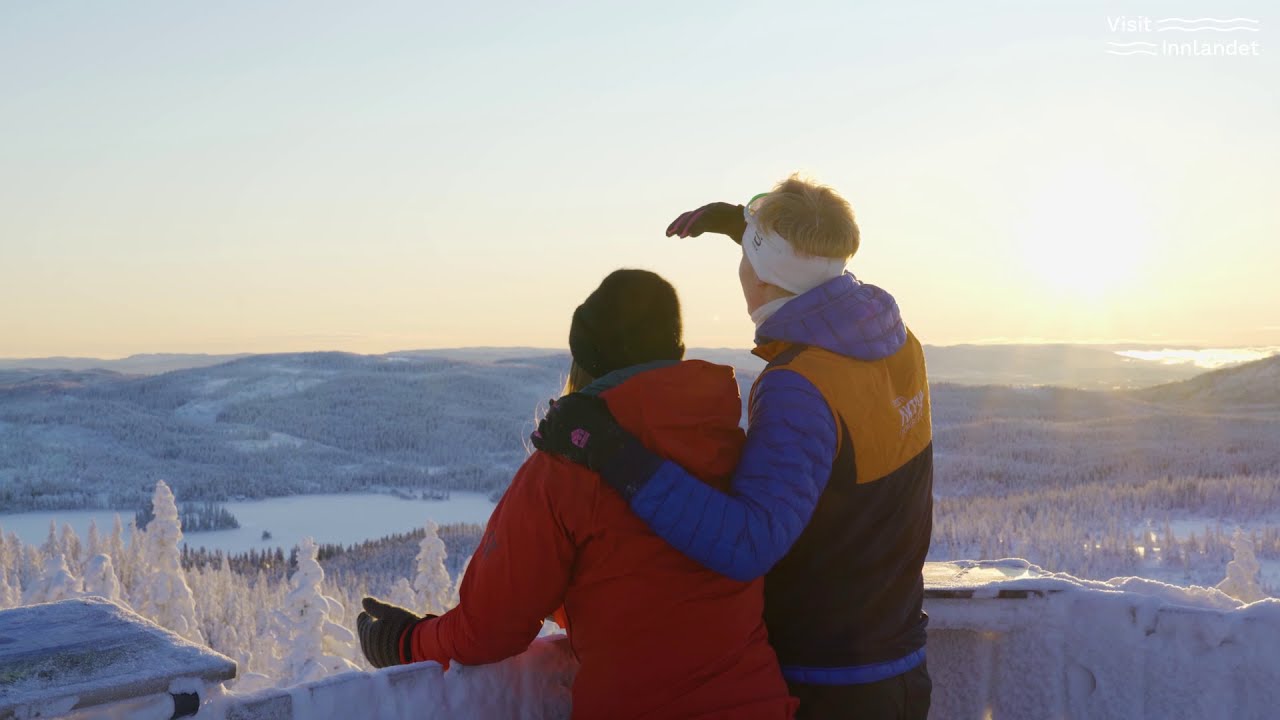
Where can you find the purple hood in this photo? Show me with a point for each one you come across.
(842, 315)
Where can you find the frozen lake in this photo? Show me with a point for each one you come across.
(340, 519)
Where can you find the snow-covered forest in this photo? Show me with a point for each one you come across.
(284, 621)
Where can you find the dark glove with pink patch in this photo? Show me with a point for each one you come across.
(386, 632)
(580, 428)
(718, 217)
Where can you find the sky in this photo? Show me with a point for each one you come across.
(289, 176)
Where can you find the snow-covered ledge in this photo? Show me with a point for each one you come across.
(90, 658)
(1006, 640)
(530, 686)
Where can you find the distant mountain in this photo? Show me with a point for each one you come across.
(1088, 367)
(147, 364)
(289, 424)
(15, 382)
(268, 425)
(1252, 384)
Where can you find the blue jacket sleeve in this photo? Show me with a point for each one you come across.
(791, 446)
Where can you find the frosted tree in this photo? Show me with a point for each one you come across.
(224, 601)
(100, 578)
(316, 646)
(161, 592)
(9, 596)
(1243, 571)
(123, 557)
(31, 566)
(432, 583)
(71, 548)
(8, 552)
(402, 594)
(52, 545)
(15, 570)
(133, 568)
(93, 541)
(55, 583)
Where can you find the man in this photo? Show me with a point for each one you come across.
(832, 500)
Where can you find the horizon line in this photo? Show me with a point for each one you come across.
(988, 342)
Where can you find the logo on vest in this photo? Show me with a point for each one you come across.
(909, 410)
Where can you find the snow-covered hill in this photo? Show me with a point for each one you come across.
(1254, 384)
(146, 364)
(267, 426)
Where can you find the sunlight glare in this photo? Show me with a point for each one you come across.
(1085, 235)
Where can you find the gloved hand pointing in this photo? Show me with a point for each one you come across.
(718, 217)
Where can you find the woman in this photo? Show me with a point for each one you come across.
(655, 633)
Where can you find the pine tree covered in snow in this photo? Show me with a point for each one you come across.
(115, 548)
(162, 593)
(52, 546)
(1241, 582)
(71, 549)
(30, 565)
(100, 579)
(9, 596)
(402, 594)
(317, 645)
(93, 542)
(55, 583)
(432, 583)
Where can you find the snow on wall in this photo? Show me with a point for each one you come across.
(1006, 640)
(86, 652)
(530, 686)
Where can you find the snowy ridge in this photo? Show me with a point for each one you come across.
(1253, 384)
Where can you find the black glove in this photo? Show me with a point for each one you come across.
(580, 428)
(718, 217)
(385, 632)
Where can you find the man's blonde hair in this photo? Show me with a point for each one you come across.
(812, 217)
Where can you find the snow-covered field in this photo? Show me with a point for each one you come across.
(329, 519)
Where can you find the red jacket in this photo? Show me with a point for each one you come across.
(657, 635)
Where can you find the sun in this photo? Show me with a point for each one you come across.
(1084, 236)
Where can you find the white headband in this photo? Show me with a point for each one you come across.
(777, 263)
